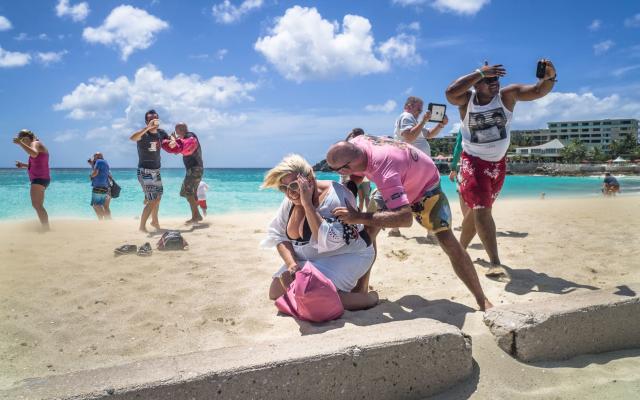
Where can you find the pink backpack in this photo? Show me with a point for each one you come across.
(311, 297)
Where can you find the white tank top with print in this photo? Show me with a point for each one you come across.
(486, 130)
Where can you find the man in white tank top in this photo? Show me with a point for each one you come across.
(486, 113)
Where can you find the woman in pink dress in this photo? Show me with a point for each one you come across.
(38, 169)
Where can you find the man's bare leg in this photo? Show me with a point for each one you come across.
(99, 212)
(486, 228)
(195, 213)
(154, 212)
(468, 229)
(463, 267)
(146, 212)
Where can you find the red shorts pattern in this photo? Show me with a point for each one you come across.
(202, 204)
(480, 180)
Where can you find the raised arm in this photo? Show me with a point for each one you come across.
(459, 92)
(521, 92)
(138, 134)
(411, 134)
(32, 149)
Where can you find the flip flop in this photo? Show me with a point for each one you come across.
(125, 249)
(497, 272)
(145, 250)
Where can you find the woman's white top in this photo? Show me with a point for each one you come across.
(343, 263)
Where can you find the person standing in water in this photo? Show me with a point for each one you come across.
(38, 169)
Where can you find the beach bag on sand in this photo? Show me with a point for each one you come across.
(172, 240)
(311, 297)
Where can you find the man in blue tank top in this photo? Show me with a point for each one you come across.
(486, 111)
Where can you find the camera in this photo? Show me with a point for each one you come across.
(541, 69)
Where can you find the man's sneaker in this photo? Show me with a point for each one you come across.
(145, 250)
(125, 249)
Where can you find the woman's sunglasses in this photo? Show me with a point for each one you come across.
(293, 187)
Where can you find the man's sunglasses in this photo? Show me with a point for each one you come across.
(490, 80)
(339, 168)
(293, 187)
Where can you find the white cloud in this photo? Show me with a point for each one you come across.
(387, 107)
(595, 25)
(96, 98)
(632, 22)
(220, 54)
(183, 97)
(227, 13)
(413, 26)
(400, 48)
(77, 13)
(10, 59)
(602, 47)
(65, 137)
(559, 106)
(302, 45)
(128, 28)
(50, 57)
(621, 71)
(5, 24)
(464, 7)
(23, 36)
(259, 69)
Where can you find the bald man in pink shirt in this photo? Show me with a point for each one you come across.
(409, 183)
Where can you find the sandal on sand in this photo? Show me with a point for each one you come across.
(125, 249)
(497, 271)
(145, 250)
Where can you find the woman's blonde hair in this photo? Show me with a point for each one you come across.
(293, 163)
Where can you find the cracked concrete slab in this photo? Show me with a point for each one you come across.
(403, 359)
(565, 326)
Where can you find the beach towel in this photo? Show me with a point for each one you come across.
(311, 297)
(172, 240)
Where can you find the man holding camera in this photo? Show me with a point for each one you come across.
(486, 113)
(149, 141)
(408, 129)
(100, 196)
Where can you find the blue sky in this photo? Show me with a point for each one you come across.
(258, 79)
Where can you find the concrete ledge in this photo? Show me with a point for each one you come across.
(405, 359)
(565, 326)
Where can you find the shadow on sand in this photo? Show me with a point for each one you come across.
(406, 308)
(192, 228)
(524, 281)
(512, 234)
(430, 239)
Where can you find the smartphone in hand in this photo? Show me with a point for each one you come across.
(541, 69)
(437, 112)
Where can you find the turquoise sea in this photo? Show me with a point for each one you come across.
(233, 190)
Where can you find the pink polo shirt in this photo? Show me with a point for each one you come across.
(401, 172)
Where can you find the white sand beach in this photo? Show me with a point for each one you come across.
(67, 304)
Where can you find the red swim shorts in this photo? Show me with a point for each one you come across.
(202, 204)
(480, 180)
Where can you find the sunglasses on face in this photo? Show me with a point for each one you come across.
(339, 168)
(291, 187)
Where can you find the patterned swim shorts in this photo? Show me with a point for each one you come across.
(99, 196)
(480, 180)
(432, 211)
(151, 183)
(191, 181)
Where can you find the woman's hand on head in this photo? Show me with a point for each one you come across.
(306, 190)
